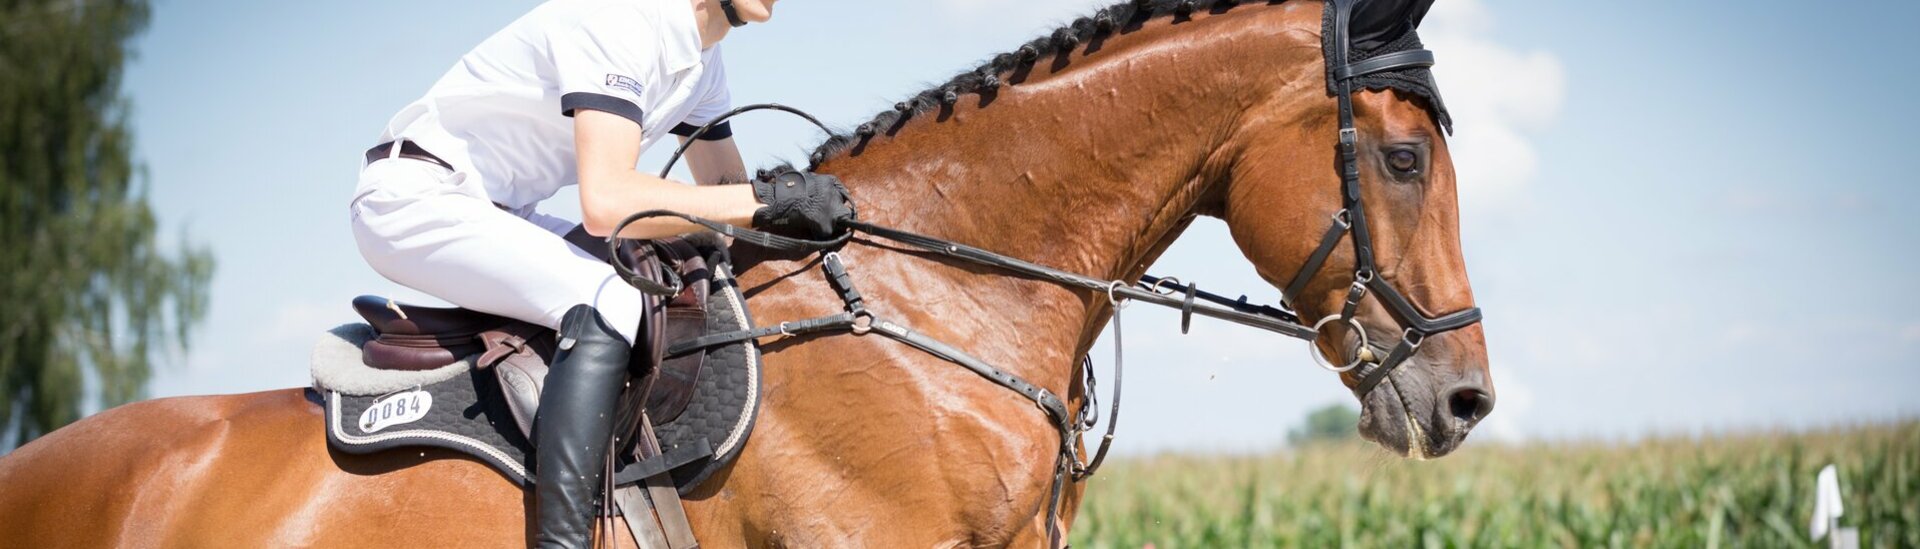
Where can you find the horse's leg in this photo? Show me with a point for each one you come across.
(243, 471)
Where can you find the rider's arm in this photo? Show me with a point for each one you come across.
(608, 146)
(716, 161)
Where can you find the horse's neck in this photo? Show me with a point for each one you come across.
(1092, 168)
(1086, 168)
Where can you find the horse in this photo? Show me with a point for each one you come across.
(1088, 150)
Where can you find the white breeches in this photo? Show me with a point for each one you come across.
(434, 230)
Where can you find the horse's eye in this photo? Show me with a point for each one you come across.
(1403, 161)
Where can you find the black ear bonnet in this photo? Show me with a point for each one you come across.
(1380, 27)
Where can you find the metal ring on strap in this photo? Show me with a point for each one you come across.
(1155, 288)
(862, 323)
(1414, 338)
(1313, 350)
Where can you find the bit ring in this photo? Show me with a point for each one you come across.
(1314, 351)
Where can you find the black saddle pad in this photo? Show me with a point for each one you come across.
(468, 413)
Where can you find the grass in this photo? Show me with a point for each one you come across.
(1734, 491)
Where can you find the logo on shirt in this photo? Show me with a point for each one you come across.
(622, 82)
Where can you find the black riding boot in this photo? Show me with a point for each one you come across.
(573, 425)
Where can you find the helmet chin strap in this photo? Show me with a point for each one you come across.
(733, 15)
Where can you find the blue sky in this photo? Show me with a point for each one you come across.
(1679, 217)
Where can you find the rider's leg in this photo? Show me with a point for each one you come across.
(571, 431)
(435, 231)
(431, 229)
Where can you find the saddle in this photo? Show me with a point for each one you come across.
(661, 449)
(417, 338)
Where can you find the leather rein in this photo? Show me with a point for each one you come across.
(858, 320)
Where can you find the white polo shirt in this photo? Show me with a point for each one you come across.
(503, 113)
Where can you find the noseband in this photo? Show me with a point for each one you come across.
(1352, 217)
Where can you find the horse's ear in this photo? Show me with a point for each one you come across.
(1376, 22)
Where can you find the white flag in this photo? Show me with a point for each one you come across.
(1826, 502)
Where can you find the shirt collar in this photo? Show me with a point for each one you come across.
(680, 39)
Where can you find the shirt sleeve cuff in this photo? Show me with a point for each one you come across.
(722, 131)
(601, 102)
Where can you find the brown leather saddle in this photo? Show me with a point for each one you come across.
(413, 338)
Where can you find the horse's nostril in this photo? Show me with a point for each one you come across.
(1470, 404)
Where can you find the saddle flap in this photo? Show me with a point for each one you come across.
(685, 317)
(674, 383)
(520, 383)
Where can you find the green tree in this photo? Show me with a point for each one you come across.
(1331, 422)
(89, 299)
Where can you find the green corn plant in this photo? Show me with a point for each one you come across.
(1749, 490)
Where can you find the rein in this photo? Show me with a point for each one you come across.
(1167, 292)
(860, 321)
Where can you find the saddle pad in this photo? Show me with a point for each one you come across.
(463, 409)
(465, 413)
(726, 395)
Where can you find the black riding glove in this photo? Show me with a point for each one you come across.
(802, 203)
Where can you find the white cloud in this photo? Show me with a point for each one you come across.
(1498, 95)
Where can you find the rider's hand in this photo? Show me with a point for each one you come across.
(802, 203)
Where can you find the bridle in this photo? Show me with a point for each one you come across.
(858, 320)
(1352, 218)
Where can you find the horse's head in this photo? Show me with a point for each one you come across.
(1280, 199)
(1283, 195)
(1166, 110)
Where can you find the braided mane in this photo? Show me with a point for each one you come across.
(984, 79)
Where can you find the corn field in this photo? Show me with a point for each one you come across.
(1734, 491)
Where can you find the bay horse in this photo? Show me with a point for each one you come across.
(1091, 153)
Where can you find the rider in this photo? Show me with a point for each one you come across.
(571, 92)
